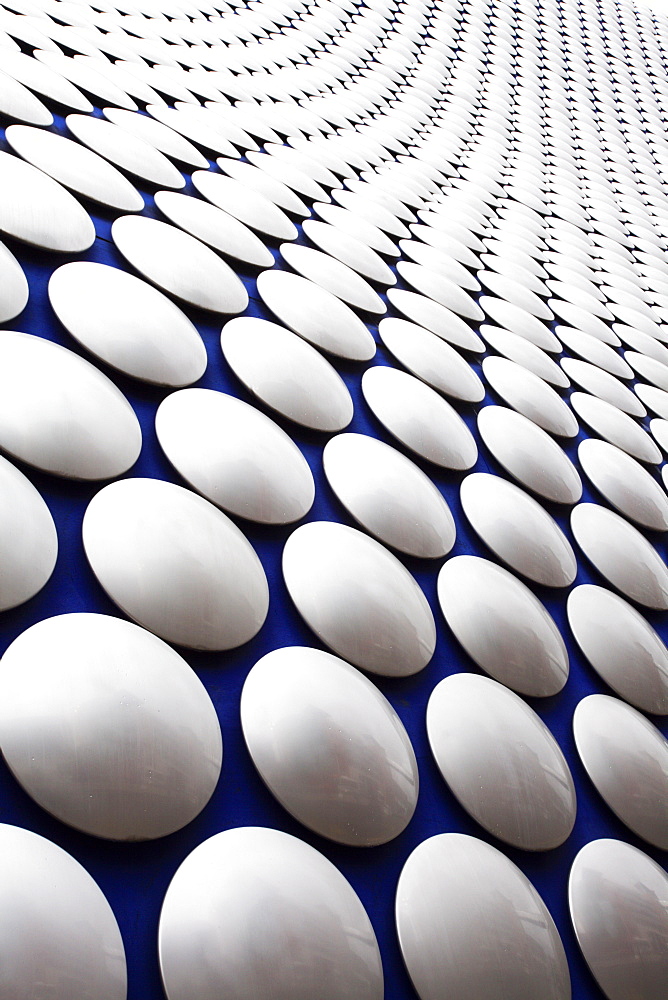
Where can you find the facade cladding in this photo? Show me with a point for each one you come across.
(333, 422)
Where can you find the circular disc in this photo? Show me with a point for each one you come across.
(13, 286)
(316, 315)
(175, 564)
(58, 935)
(530, 395)
(287, 374)
(243, 203)
(90, 687)
(318, 940)
(431, 359)
(501, 762)
(617, 901)
(179, 264)
(329, 746)
(518, 530)
(38, 210)
(625, 484)
(471, 925)
(626, 758)
(335, 277)
(503, 626)
(127, 323)
(436, 318)
(359, 599)
(389, 496)
(28, 539)
(235, 456)
(125, 150)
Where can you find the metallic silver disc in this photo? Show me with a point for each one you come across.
(503, 626)
(352, 224)
(125, 150)
(615, 426)
(243, 203)
(359, 599)
(235, 456)
(510, 290)
(419, 418)
(617, 902)
(520, 322)
(214, 227)
(600, 383)
(441, 262)
(329, 746)
(626, 757)
(75, 167)
(61, 414)
(529, 454)
(389, 496)
(501, 762)
(332, 275)
(525, 354)
(530, 395)
(58, 934)
(44, 81)
(316, 315)
(349, 250)
(20, 104)
(127, 323)
(624, 483)
(38, 210)
(179, 264)
(274, 189)
(287, 374)
(14, 290)
(160, 136)
(518, 530)
(318, 940)
(95, 688)
(436, 318)
(440, 288)
(471, 925)
(621, 646)
(431, 359)
(621, 554)
(175, 564)
(28, 539)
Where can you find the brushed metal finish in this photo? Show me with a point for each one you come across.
(349, 250)
(127, 323)
(354, 225)
(515, 292)
(20, 104)
(431, 359)
(88, 687)
(329, 746)
(316, 315)
(419, 418)
(389, 496)
(214, 227)
(525, 354)
(359, 599)
(58, 935)
(175, 564)
(287, 374)
(441, 262)
(44, 81)
(503, 626)
(440, 288)
(125, 150)
(179, 264)
(655, 399)
(272, 915)
(615, 426)
(28, 539)
(259, 180)
(501, 762)
(75, 167)
(594, 351)
(160, 136)
(471, 925)
(235, 456)
(626, 758)
(621, 646)
(621, 554)
(625, 484)
(436, 318)
(517, 320)
(39, 211)
(62, 415)
(617, 898)
(14, 289)
(604, 385)
(251, 207)
(529, 454)
(530, 396)
(518, 530)
(332, 275)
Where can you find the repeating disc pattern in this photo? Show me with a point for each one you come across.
(334, 418)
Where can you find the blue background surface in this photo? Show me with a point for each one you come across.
(134, 877)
